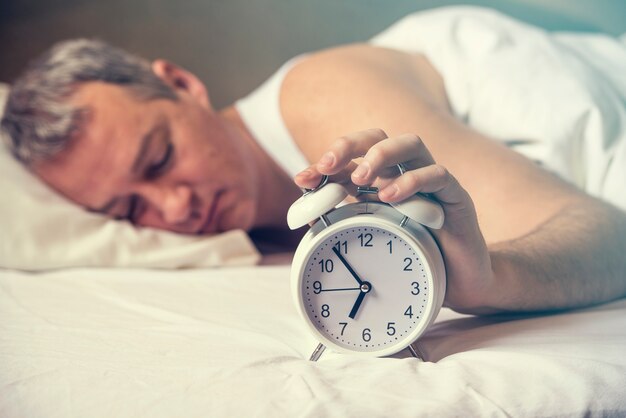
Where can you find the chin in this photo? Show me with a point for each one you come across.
(240, 216)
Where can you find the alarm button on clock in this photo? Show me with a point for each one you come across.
(422, 210)
(312, 205)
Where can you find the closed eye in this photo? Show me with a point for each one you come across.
(157, 168)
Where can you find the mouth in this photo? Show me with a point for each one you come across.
(208, 226)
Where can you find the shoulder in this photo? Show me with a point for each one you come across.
(345, 67)
(351, 88)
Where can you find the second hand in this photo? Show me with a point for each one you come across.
(337, 290)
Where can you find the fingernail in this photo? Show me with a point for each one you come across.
(361, 171)
(305, 173)
(389, 192)
(327, 159)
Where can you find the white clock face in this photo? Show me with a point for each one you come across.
(366, 289)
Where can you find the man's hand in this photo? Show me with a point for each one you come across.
(468, 265)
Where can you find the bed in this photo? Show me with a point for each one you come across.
(196, 327)
(229, 342)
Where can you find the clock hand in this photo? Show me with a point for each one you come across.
(357, 304)
(345, 263)
(365, 289)
(337, 290)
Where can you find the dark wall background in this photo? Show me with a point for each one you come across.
(233, 45)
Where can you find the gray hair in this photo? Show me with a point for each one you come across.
(38, 122)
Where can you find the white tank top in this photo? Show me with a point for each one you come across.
(260, 111)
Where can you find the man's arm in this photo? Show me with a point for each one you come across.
(576, 258)
(550, 246)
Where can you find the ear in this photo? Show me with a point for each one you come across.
(181, 80)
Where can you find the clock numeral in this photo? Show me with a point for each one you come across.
(408, 262)
(366, 240)
(326, 265)
(390, 247)
(409, 312)
(366, 334)
(325, 311)
(343, 328)
(317, 287)
(416, 288)
(340, 244)
(390, 329)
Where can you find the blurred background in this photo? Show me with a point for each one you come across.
(233, 45)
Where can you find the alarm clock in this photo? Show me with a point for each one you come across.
(367, 278)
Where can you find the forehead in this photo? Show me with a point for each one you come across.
(99, 155)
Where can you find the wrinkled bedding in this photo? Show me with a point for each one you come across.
(559, 98)
(229, 342)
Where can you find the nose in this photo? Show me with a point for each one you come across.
(173, 202)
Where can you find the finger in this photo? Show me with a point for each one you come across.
(408, 149)
(434, 179)
(310, 178)
(348, 147)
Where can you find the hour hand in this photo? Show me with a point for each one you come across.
(345, 263)
(365, 288)
(357, 304)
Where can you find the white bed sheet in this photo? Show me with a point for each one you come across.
(228, 342)
(558, 98)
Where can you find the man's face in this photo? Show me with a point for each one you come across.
(166, 164)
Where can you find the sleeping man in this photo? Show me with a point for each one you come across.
(141, 141)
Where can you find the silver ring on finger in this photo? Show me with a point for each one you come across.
(323, 182)
(402, 168)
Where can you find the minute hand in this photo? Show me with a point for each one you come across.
(345, 263)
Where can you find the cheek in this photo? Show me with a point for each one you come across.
(209, 161)
(194, 169)
(198, 157)
(205, 165)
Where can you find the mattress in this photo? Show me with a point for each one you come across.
(228, 342)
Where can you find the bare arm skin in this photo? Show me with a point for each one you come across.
(524, 241)
(576, 258)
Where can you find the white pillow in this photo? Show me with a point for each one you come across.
(41, 230)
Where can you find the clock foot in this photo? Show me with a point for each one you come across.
(317, 353)
(415, 351)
